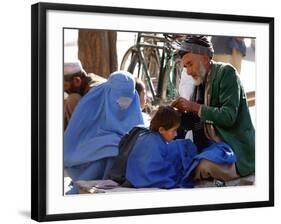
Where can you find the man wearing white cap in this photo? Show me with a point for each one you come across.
(76, 84)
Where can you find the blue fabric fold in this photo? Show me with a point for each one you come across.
(155, 163)
(99, 121)
(220, 153)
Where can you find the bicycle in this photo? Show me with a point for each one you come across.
(153, 59)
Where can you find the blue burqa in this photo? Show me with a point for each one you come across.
(155, 163)
(99, 121)
(220, 153)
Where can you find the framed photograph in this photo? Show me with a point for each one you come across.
(102, 40)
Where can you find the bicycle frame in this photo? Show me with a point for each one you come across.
(167, 55)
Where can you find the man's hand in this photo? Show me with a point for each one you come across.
(184, 105)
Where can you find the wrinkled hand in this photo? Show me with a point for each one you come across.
(184, 105)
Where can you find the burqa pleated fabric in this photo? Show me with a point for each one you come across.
(99, 121)
(220, 153)
(155, 163)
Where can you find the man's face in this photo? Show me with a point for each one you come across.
(195, 67)
(72, 84)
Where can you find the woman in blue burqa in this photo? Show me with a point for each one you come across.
(102, 117)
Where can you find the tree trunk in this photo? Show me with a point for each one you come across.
(97, 51)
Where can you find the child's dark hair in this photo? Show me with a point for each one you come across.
(166, 117)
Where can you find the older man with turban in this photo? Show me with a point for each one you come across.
(220, 113)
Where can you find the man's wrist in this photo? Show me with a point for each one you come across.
(196, 108)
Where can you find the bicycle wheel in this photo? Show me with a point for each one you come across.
(131, 62)
(129, 59)
(151, 57)
(177, 74)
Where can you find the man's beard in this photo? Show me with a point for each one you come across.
(74, 89)
(202, 74)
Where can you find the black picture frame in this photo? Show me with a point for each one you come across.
(39, 110)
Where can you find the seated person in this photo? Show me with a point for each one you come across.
(98, 123)
(140, 87)
(219, 110)
(156, 160)
(76, 84)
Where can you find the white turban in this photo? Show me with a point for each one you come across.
(71, 68)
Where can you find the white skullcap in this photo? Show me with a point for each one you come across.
(71, 68)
